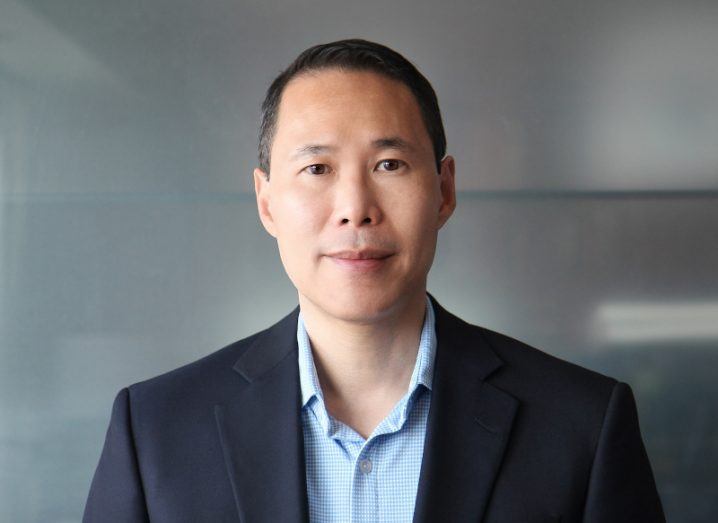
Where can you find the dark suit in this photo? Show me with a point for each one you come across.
(514, 436)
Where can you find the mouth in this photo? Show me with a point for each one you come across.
(362, 254)
(361, 261)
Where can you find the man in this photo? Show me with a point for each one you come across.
(369, 401)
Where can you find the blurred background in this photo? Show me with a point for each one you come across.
(586, 141)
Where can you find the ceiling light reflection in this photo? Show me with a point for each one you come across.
(632, 322)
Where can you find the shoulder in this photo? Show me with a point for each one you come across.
(555, 396)
(194, 381)
(542, 382)
(211, 377)
(532, 363)
(547, 383)
(523, 368)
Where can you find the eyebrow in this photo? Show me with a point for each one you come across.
(388, 142)
(311, 150)
(392, 142)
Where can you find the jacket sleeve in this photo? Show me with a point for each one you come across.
(116, 492)
(621, 486)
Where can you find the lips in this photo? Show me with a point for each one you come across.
(361, 261)
(363, 254)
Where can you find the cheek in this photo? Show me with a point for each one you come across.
(419, 224)
(298, 222)
(415, 215)
(296, 215)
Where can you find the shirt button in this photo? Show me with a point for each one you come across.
(365, 466)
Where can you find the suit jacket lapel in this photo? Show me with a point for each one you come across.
(261, 431)
(468, 427)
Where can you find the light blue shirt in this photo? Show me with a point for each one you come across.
(350, 479)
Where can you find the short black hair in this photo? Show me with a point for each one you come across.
(355, 55)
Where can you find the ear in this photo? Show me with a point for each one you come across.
(261, 190)
(448, 190)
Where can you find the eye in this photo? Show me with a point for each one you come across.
(390, 165)
(317, 168)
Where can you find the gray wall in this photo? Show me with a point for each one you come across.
(587, 224)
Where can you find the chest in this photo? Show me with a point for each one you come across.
(353, 479)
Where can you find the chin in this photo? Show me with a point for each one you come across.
(356, 306)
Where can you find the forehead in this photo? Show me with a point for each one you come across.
(335, 104)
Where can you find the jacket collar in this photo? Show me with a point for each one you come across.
(261, 432)
(468, 426)
(467, 431)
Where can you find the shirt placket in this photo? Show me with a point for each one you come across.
(364, 502)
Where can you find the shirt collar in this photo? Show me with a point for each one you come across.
(423, 368)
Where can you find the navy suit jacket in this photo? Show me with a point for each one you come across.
(514, 435)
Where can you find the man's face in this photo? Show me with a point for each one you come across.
(353, 174)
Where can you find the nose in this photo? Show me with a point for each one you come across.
(356, 201)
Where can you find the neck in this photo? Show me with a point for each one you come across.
(364, 366)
